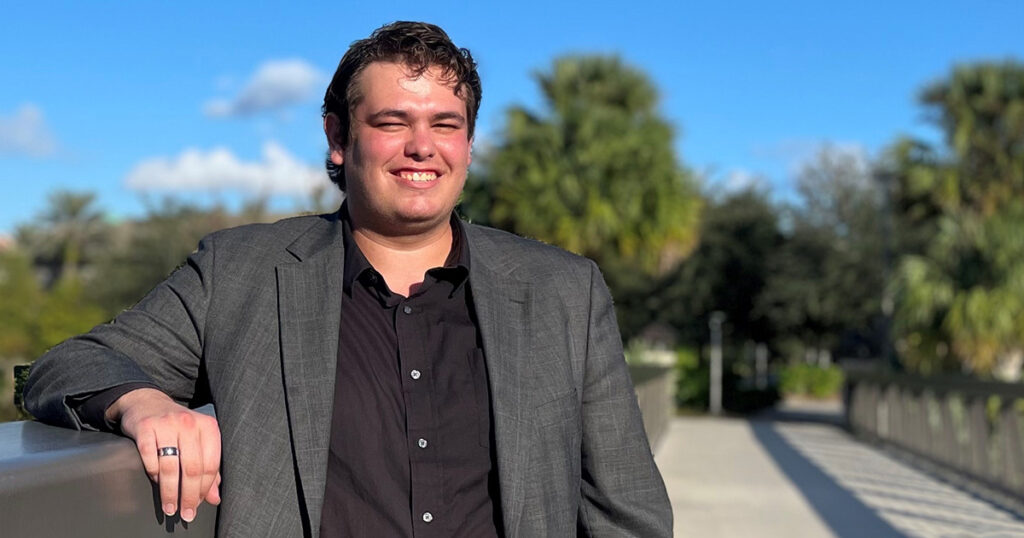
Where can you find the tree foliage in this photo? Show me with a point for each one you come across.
(21, 295)
(71, 232)
(595, 173)
(150, 249)
(728, 272)
(961, 282)
(824, 292)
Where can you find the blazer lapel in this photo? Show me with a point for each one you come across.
(502, 306)
(309, 306)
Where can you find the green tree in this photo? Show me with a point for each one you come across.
(70, 231)
(728, 272)
(65, 312)
(19, 308)
(824, 292)
(151, 248)
(961, 282)
(595, 172)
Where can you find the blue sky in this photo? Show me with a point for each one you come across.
(217, 101)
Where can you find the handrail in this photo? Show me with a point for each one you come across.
(60, 482)
(654, 393)
(969, 427)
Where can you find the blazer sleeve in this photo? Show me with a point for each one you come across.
(622, 492)
(159, 342)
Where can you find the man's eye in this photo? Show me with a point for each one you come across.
(448, 126)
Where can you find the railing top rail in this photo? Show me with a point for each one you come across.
(642, 373)
(60, 482)
(941, 384)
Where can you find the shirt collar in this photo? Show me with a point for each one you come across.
(357, 267)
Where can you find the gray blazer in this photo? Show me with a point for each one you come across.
(250, 322)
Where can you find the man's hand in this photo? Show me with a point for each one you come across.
(155, 421)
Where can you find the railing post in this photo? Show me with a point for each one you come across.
(979, 436)
(1013, 465)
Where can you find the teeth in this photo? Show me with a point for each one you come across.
(419, 176)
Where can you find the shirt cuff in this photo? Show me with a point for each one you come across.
(92, 409)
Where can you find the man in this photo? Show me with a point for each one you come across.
(387, 370)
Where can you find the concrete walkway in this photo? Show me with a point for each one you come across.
(794, 474)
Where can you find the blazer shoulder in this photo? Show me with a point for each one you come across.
(529, 259)
(274, 237)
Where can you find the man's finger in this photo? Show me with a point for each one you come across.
(147, 452)
(168, 470)
(213, 495)
(209, 438)
(191, 458)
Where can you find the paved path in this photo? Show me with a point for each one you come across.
(783, 475)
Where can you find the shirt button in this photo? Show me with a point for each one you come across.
(428, 517)
(415, 374)
(407, 309)
(422, 443)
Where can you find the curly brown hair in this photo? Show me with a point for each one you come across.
(417, 45)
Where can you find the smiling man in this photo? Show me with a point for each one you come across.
(387, 370)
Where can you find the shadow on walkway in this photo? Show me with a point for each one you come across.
(857, 490)
(837, 507)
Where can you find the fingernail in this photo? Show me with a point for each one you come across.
(188, 514)
(169, 509)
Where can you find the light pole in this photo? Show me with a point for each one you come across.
(715, 389)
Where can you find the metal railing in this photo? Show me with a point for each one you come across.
(655, 394)
(60, 482)
(969, 427)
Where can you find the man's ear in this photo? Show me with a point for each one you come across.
(469, 161)
(335, 145)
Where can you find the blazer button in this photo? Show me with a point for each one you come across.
(428, 517)
(415, 374)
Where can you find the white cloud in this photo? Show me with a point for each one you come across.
(275, 84)
(196, 170)
(796, 152)
(739, 179)
(26, 133)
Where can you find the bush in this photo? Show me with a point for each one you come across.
(691, 380)
(693, 387)
(810, 380)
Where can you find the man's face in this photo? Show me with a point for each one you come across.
(408, 150)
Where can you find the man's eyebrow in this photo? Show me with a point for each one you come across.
(389, 113)
(403, 115)
(453, 116)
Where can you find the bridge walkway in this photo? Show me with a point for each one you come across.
(795, 473)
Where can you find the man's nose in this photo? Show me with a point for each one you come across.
(420, 145)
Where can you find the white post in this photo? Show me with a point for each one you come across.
(761, 366)
(715, 389)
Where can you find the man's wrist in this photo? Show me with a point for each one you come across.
(92, 408)
(117, 409)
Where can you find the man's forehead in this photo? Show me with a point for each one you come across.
(409, 76)
(373, 83)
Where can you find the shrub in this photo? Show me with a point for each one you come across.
(810, 380)
(691, 380)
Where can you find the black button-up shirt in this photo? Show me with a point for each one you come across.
(410, 450)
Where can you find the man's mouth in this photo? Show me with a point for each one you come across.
(417, 177)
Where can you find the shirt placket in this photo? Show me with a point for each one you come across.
(421, 422)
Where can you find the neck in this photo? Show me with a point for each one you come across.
(403, 260)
